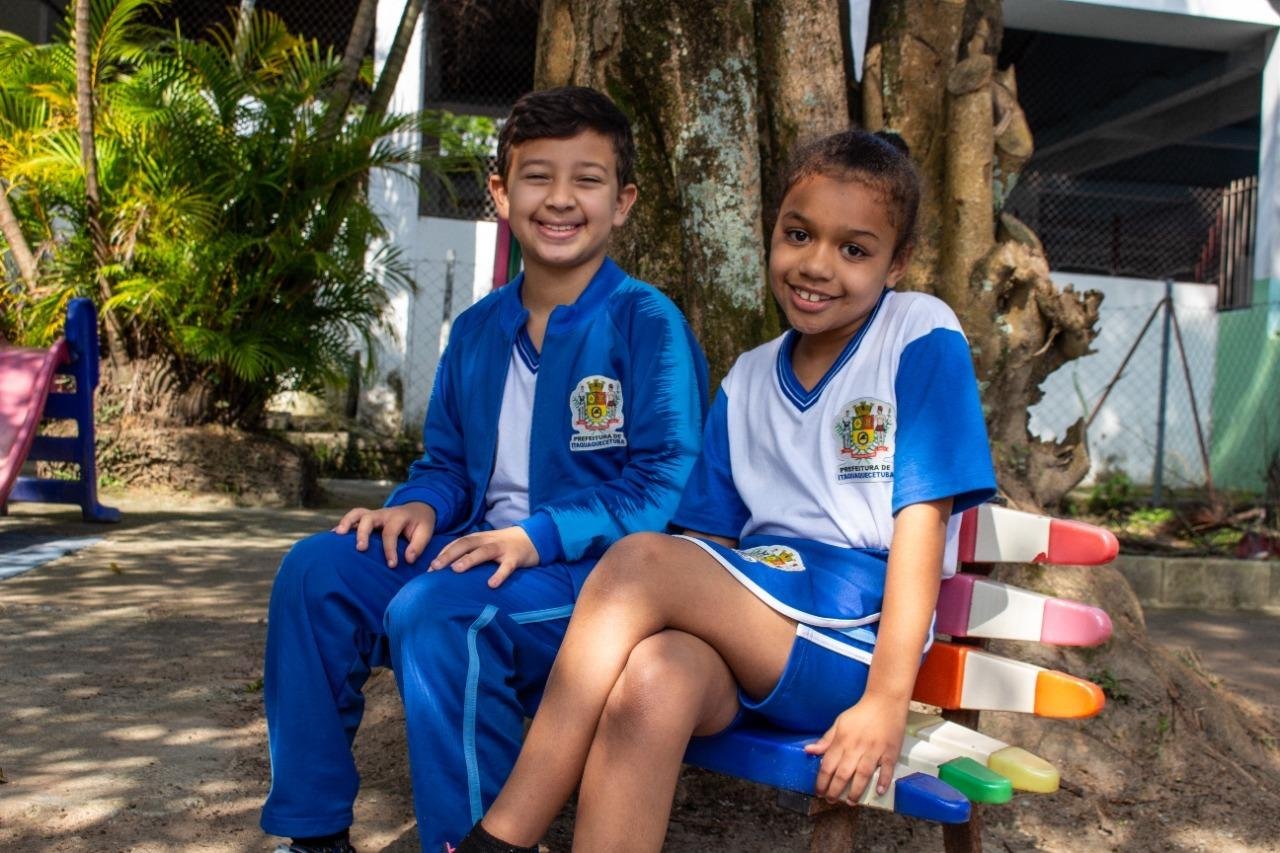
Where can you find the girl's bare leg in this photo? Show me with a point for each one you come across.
(645, 584)
(673, 686)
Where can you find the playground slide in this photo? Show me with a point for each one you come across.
(26, 375)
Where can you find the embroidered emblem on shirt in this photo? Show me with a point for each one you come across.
(596, 410)
(864, 432)
(775, 557)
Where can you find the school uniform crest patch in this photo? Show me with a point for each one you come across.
(778, 557)
(595, 409)
(864, 433)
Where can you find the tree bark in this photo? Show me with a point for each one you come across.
(17, 241)
(85, 78)
(390, 75)
(931, 76)
(345, 83)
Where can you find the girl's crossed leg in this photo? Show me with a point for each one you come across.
(655, 608)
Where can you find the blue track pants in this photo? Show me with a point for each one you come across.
(470, 663)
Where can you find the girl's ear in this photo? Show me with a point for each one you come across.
(498, 190)
(898, 267)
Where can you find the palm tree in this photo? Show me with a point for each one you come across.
(224, 256)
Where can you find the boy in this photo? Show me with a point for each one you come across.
(566, 413)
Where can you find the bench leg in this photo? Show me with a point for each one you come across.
(833, 830)
(964, 837)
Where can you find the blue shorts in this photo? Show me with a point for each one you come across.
(826, 673)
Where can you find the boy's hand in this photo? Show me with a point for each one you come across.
(866, 736)
(416, 521)
(509, 547)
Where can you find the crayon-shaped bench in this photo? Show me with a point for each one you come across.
(945, 767)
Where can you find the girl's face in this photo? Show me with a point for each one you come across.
(832, 256)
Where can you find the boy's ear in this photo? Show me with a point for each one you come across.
(498, 190)
(626, 198)
(899, 265)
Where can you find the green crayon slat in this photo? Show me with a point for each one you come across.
(976, 782)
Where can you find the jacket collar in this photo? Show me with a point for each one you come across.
(597, 292)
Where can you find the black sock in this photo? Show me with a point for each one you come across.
(479, 840)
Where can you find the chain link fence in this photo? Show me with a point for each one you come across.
(1138, 356)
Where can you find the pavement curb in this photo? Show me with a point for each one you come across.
(1202, 582)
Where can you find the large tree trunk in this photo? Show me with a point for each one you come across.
(686, 74)
(931, 76)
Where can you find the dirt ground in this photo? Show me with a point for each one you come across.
(131, 718)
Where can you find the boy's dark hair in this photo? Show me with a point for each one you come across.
(879, 160)
(564, 112)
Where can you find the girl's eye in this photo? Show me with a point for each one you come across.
(797, 235)
(851, 251)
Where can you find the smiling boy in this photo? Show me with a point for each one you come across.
(566, 413)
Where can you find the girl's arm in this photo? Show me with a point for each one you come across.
(869, 735)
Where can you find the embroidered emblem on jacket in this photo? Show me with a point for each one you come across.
(864, 432)
(596, 411)
(777, 557)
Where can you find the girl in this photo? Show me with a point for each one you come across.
(835, 462)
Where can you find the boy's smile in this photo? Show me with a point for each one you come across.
(562, 199)
(831, 257)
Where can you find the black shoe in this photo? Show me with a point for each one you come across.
(334, 844)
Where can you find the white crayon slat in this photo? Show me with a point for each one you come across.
(1004, 612)
(993, 683)
(924, 756)
(954, 737)
(1010, 536)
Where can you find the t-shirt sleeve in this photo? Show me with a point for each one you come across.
(710, 502)
(941, 446)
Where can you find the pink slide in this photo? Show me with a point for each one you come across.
(26, 375)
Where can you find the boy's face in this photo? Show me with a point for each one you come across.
(832, 255)
(562, 199)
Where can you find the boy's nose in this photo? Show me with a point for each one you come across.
(560, 195)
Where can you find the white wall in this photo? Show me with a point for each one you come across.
(406, 358)
(1123, 435)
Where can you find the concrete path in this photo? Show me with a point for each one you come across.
(1241, 647)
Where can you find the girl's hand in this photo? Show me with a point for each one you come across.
(867, 736)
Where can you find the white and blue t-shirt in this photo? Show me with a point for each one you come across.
(809, 481)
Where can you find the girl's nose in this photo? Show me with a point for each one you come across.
(815, 263)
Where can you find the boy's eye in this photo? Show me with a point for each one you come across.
(535, 176)
(591, 179)
(852, 251)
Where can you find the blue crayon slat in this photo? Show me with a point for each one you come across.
(928, 798)
(768, 756)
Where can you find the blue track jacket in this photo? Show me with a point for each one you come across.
(617, 416)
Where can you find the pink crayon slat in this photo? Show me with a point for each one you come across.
(972, 606)
(995, 534)
(1070, 623)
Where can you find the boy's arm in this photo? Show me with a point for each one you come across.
(664, 410)
(438, 478)
(869, 735)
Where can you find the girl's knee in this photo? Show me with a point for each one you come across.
(628, 564)
(659, 688)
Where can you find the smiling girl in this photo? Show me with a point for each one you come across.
(820, 519)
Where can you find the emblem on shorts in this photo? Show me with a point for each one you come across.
(777, 557)
(864, 432)
(596, 411)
